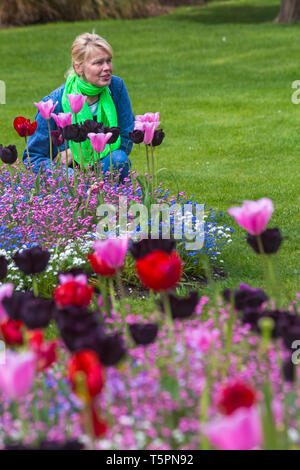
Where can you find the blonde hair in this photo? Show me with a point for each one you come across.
(83, 45)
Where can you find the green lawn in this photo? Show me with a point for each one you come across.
(221, 77)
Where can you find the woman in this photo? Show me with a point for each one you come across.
(107, 102)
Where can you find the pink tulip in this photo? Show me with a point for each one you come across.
(99, 141)
(112, 251)
(239, 431)
(76, 102)
(5, 291)
(80, 278)
(139, 126)
(17, 374)
(62, 119)
(46, 108)
(149, 128)
(253, 216)
(148, 117)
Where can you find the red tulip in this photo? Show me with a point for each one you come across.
(73, 291)
(45, 352)
(86, 361)
(234, 396)
(24, 127)
(159, 270)
(11, 332)
(99, 266)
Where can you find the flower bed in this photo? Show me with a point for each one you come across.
(185, 373)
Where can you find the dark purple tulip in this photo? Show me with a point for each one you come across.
(32, 260)
(75, 132)
(286, 325)
(8, 154)
(37, 313)
(137, 136)
(271, 240)
(143, 333)
(111, 350)
(93, 126)
(158, 137)
(3, 267)
(57, 138)
(183, 307)
(245, 297)
(14, 304)
(147, 245)
(115, 134)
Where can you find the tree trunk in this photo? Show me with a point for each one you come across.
(289, 11)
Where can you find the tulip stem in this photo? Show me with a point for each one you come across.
(111, 167)
(50, 142)
(35, 286)
(112, 293)
(169, 318)
(204, 404)
(100, 168)
(153, 171)
(29, 162)
(67, 166)
(149, 171)
(268, 270)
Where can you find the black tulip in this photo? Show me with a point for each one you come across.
(143, 333)
(111, 350)
(93, 126)
(115, 134)
(32, 260)
(271, 240)
(3, 267)
(8, 154)
(37, 313)
(75, 132)
(182, 307)
(14, 304)
(158, 137)
(147, 245)
(137, 136)
(79, 328)
(57, 137)
(245, 298)
(284, 323)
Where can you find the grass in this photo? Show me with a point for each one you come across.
(221, 77)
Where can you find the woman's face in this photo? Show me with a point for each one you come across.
(97, 68)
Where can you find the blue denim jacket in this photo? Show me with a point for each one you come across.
(38, 143)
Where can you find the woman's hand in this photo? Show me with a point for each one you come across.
(64, 157)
